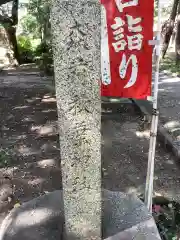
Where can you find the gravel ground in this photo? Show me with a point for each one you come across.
(125, 145)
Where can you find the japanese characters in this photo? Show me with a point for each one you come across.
(126, 56)
(133, 41)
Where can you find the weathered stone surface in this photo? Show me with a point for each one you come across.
(124, 218)
(122, 211)
(76, 41)
(143, 231)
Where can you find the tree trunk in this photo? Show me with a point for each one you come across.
(10, 24)
(169, 26)
(15, 12)
(177, 43)
(47, 30)
(11, 32)
(76, 43)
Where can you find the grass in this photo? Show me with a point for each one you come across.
(169, 65)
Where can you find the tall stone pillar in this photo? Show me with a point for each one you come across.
(76, 41)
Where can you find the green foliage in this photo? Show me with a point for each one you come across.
(45, 57)
(165, 11)
(39, 9)
(168, 64)
(36, 23)
(167, 217)
(42, 48)
(26, 50)
(155, 8)
(24, 42)
(30, 26)
(166, 214)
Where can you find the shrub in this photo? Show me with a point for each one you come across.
(42, 48)
(166, 213)
(45, 58)
(26, 50)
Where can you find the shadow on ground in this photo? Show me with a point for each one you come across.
(29, 141)
(125, 146)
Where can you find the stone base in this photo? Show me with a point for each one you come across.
(124, 218)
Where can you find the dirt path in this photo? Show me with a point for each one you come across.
(29, 136)
(125, 145)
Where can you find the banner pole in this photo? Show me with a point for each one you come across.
(154, 123)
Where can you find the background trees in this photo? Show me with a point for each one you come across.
(30, 36)
(171, 29)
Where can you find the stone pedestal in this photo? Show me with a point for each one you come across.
(124, 217)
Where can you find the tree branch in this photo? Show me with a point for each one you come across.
(4, 19)
(15, 12)
(4, 1)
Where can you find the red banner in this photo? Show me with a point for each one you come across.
(126, 56)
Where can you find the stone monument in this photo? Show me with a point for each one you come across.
(76, 44)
